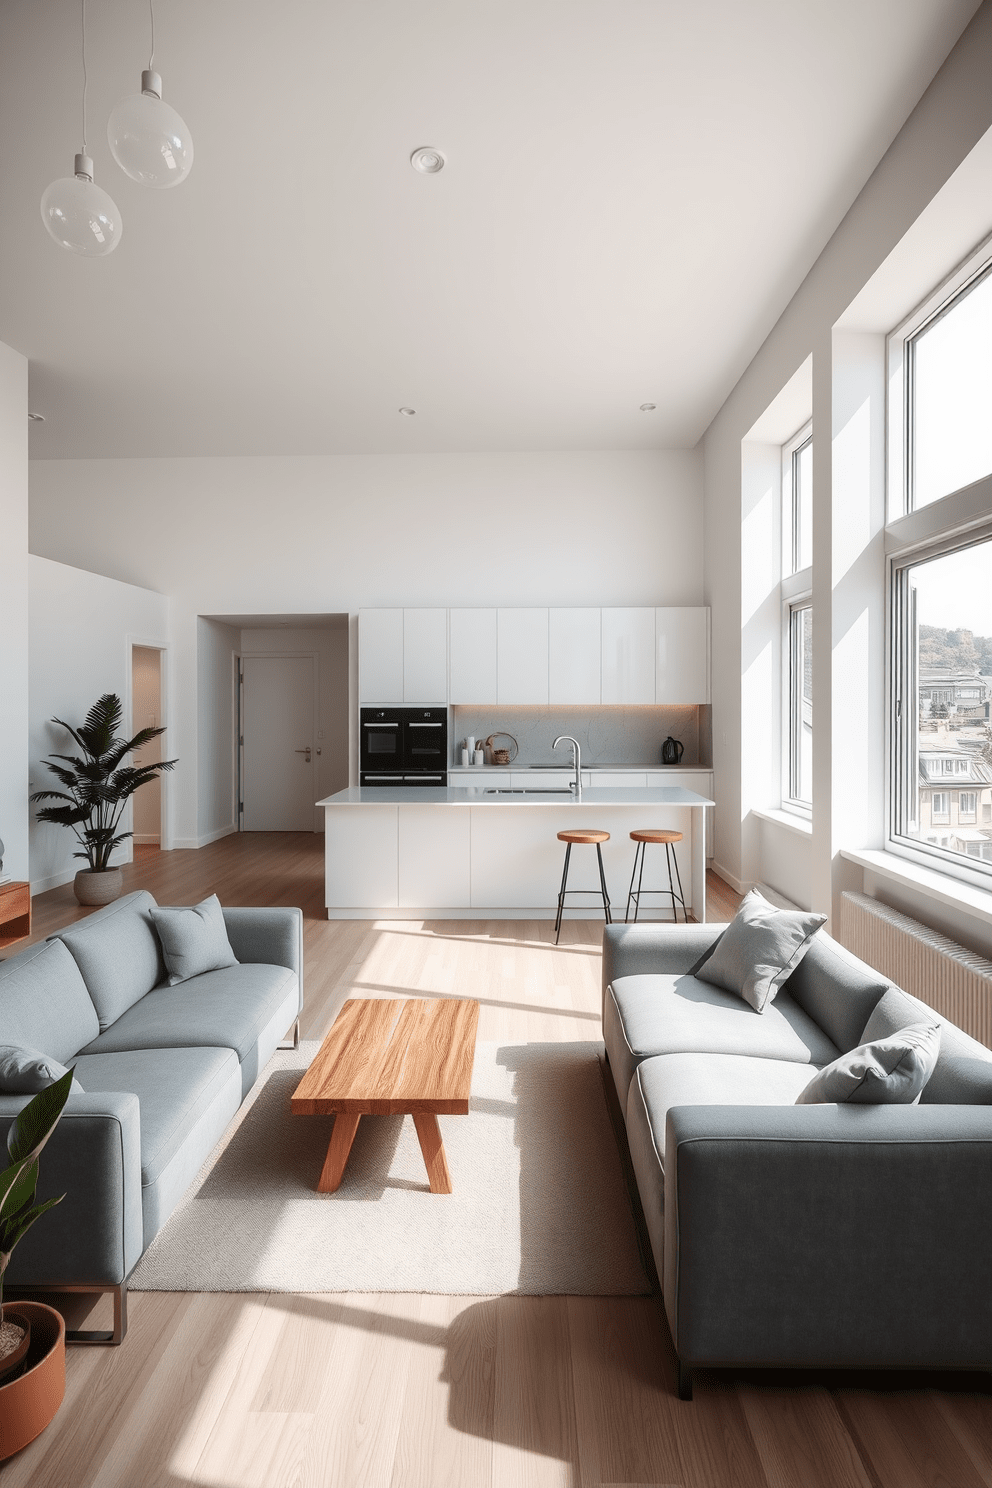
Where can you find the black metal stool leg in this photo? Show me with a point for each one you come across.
(602, 879)
(630, 892)
(640, 880)
(675, 859)
(561, 892)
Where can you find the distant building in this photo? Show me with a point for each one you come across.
(943, 693)
(955, 804)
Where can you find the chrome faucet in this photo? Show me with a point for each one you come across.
(576, 785)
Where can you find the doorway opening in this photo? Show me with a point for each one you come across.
(147, 711)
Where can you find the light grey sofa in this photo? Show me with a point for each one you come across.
(163, 1070)
(812, 1236)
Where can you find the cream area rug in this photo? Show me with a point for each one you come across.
(539, 1202)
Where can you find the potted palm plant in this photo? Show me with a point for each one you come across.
(98, 783)
(32, 1371)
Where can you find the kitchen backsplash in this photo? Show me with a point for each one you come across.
(606, 735)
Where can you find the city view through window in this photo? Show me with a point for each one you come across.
(953, 799)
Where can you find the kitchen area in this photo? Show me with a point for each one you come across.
(485, 732)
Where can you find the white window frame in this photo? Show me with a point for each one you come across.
(940, 810)
(899, 360)
(971, 812)
(902, 751)
(792, 702)
(790, 497)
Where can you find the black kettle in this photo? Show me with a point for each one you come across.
(672, 751)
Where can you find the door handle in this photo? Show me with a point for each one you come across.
(306, 752)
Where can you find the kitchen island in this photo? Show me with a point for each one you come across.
(459, 852)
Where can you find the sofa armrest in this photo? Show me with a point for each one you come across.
(829, 1236)
(94, 1158)
(634, 950)
(272, 936)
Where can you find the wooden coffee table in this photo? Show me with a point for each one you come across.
(388, 1057)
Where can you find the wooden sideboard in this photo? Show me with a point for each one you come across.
(15, 913)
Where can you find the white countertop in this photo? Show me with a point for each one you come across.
(567, 769)
(451, 795)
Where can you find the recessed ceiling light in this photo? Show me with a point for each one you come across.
(427, 160)
(408, 412)
(648, 407)
(37, 418)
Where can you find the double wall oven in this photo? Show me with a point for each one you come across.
(403, 746)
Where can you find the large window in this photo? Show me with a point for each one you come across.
(940, 391)
(799, 785)
(942, 698)
(797, 501)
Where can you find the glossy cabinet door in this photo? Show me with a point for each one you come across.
(628, 644)
(380, 656)
(682, 672)
(433, 857)
(360, 857)
(425, 656)
(472, 656)
(574, 664)
(522, 656)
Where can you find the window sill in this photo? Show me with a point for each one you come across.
(792, 821)
(967, 898)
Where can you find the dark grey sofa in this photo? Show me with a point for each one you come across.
(787, 1236)
(163, 1070)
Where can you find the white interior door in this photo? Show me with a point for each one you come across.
(278, 780)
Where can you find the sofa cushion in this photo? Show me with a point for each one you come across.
(666, 1014)
(963, 1072)
(26, 1071)
(837, 989)
(193, 940)
(887, 1072)
(44, 1003)
(118, 953)
(220, 1009)
(759, 950)
(175, 1088)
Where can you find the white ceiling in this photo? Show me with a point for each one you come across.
(634, 191)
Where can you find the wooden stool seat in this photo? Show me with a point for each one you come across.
(590, 835)
(655, 836)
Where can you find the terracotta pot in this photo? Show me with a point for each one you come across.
(91, 887)
(28, 1404)
(12, 1361)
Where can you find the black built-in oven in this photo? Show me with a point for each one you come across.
(403, 746)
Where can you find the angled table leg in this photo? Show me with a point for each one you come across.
(342, 1136)
(433, 1149)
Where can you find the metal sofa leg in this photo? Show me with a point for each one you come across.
(684, 1382)
(295, 1043)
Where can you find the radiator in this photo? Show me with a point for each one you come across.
(956, 983)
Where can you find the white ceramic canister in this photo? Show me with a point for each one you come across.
(480, 756)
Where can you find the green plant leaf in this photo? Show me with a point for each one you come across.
(16, 1190)
(34, 1124)
(27, 1220)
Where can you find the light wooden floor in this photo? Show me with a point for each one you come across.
(423, 1391)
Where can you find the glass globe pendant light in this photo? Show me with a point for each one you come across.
(78, 214)
(149, 140)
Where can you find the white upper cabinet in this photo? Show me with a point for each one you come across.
(574, 656)
(682, 672)
(425, 656)
(380, 656)
(628, 655)
(522, 656)
(472, 656)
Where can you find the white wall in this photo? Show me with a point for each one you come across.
(317, 535)
(81, 627)
(14, 611)
(216, 647)
(848, 439)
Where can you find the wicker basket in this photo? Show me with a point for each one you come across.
(502, 756)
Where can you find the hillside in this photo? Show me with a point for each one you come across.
(954, 650)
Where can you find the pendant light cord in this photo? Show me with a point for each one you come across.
(83, 9)
(151, 58)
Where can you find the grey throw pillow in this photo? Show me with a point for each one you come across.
(193, 940)
(890, 1072)
(26, 1071)
(759, 950)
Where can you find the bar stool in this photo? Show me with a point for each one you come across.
(642, 838)
(578, 836)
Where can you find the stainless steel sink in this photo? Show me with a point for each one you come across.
(528, 790)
